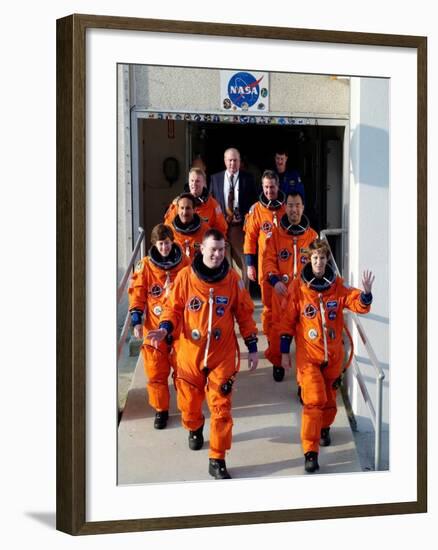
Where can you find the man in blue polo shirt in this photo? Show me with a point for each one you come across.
(290, 180)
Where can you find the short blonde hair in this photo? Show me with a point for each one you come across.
(198, 171)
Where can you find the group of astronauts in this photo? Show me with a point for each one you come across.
(184, 300)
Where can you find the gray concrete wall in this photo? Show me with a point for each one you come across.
(191, 89)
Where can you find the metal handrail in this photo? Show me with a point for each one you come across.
(376, 414)
(139, 245)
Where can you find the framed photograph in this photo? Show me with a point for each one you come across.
(138, 101)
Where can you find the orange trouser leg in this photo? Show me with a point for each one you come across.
(330, 408)
(189, 400)
(266, 316)
(221, 422)
(313, 394)
(273, 354)
(157, 369)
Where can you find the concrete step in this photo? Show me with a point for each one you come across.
(266, 434)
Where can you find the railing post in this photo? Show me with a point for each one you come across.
(124, 280)
(378, 427)
(143, 245)
(139, 245)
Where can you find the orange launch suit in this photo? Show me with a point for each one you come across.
(149, 289)
(189, 238)
(283, 260)
(303, 318)
(262, 218)
(191, 301)
(208, 210)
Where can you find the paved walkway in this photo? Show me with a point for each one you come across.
(266, 434)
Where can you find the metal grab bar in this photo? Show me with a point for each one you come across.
(337, 231)
(376, 414)
(140, 244)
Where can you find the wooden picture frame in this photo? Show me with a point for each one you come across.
(71, 273)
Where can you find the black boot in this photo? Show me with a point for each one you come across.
(278, 373)
(311, 462)
(325, 437)
(161, 418)
(218, 469)
(196, 439)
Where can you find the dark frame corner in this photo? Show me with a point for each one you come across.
(71, 271)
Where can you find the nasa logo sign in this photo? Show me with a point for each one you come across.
(244, 91)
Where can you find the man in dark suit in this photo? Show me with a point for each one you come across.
(235, 192)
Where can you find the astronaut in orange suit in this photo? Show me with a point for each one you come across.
(206, 299)
(149, 288)
(314, 315)
(263, 217)
(284, 257)
(188, 227)
(205, 205)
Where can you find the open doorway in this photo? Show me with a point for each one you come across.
(316, 151)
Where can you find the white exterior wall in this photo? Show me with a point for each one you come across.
(369, 228)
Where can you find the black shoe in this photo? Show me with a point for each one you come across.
(196, 439)
(311, 462)
(325, 437)
(161, 418)
(218, 469)
(278, 373)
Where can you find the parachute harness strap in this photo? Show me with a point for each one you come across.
(210, 322)
(324, 327)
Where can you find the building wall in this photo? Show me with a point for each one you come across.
(369, 226)
(198, 90)
(124, 226)
(124, 184)
(176, 88)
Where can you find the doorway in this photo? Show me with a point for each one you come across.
(316, 151)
